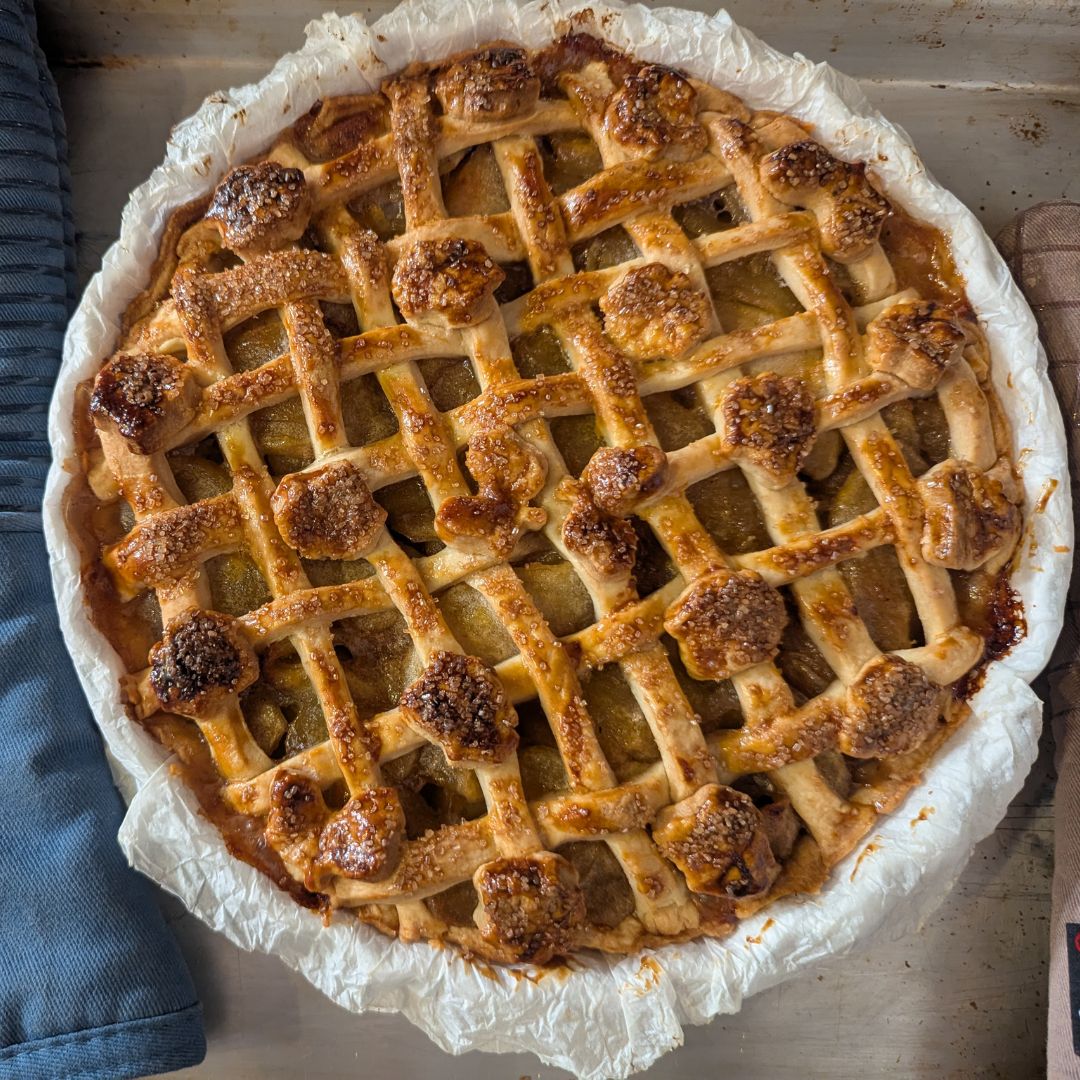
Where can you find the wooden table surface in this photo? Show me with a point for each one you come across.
(990, 92)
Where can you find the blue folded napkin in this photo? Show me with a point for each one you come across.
(92, 984)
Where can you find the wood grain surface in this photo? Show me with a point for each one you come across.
(990, 93)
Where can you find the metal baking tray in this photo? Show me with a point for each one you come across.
(989, 90)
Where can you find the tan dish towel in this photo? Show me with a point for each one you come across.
(1042, 247)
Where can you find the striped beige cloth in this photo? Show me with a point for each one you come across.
(1042, 247)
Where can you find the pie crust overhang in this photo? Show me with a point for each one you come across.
(547, 505)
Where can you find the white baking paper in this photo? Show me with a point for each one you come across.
(610, 1017)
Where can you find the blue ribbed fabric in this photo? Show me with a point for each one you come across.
(92, 984)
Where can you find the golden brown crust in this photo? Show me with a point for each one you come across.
(969, 519)
(653, 114)
(145, 397)
(334, 126)
(328, 513)
(917, 341)
(606, 543)
(203, 658)
(501, 461)
(769, 423)
(619, 479)
(445, 282)
(493, 83)
(460, 704)
(892, 708)
(849, 210)
(653, 311)
(530, 908)
(168, 544)
(717, 839)
(508, 473)
(260, 207)
(725, 622)
(362, 841)
(591, 274)
(296, 817)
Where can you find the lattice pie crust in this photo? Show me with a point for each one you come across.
(547, 505)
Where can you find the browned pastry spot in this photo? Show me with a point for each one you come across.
(328, 513)
(203, 658)
(849, 211)
(653, 311)
(445, 282)
(768, 421)
(717, 838)
(968, 517)
(916, 340)
(531, 907)
(478, 523)
(459, 703)
(260, 207)
(493, 83)
(653, 114)
(619, 479)
(334, 126)
(607, 543)
(297, 815)
(145, 397)
(733, 137)
(363, 839)
(725, 622)
(502, 461)
(508, 473)
(892, 708)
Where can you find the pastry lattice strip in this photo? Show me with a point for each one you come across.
(541, 229)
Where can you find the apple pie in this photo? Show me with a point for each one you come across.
(547, 505)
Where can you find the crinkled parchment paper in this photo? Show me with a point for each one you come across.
(609, 1017)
